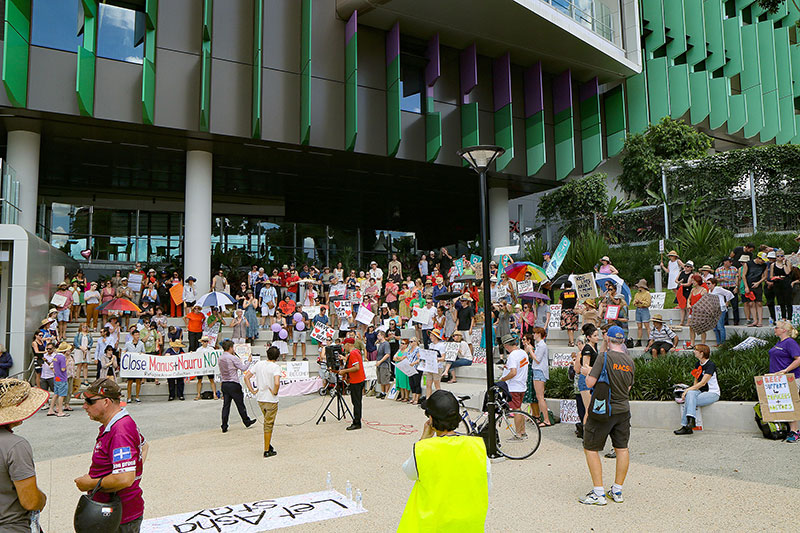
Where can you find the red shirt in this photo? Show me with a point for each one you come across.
(353, 359)
(292, 279)
(283, 277)
(195, 322)
(119, 449)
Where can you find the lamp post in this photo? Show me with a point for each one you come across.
(479, 159)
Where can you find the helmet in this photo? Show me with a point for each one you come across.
(92, 516)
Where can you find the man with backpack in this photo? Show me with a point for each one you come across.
(608, 414)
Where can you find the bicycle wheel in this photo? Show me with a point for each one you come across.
(516, 443)
(463, 429)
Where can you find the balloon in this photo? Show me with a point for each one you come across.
(283, 334)
(301, 326)
(275, 327)
(297, 317)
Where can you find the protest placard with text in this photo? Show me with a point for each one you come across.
(364, 315)
(428, 361)
(340, 289)
(561, 360)
(555, 316)
(295, 370)
(343, 308)
(568, 411)
(612, 312)
(135, 281)
(657, 300)
(524, 287)
(778, 396)
(479, 356)
(422, 315)
(585, 286)
(58, 300)
(405, 367)
(322, 332)
(500, 292)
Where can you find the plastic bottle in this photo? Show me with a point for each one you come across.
(328, 482)
(348, 490)
(359, 500)
(771, 324)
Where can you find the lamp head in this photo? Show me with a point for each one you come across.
(481, 157)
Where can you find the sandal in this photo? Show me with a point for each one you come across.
(543, 425)
(62, 415)
(51, 414)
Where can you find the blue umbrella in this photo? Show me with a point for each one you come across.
(622, 288)
(216, 299)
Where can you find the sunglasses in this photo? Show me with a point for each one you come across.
(92, 401)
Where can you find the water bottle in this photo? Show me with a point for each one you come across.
(359, 500)
(771, 324)
(328, 482)
(35, 522)
(348, 491)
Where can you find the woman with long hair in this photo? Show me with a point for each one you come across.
(587, 357)
(538, 372)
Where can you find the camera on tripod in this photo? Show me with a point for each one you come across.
(332, 354)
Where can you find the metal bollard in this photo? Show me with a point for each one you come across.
(657, 276)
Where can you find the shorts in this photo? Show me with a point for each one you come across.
(538, 375)
(48, 384)
(516, 400)
(465, 336)
(60, 388)
(658, 346)
(63, 316)
(596, 431)
(384, 374)
(758, 291)
(298, 336)
(642, 314)
(582, 384)
(266, 311)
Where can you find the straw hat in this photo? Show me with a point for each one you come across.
(62, 285)
(642, 284)
(591, 303)
(672, 253)
(18, 400)
(46, 321)
(744, 258)
(466, 296)
(706, 268)
(203, 338)
(176, 344)
(605, 258)
(64, 347)
(657, 318)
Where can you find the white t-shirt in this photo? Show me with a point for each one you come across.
(517, 359)
(265, 372)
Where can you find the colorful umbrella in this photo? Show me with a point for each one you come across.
(517, 271)
(622, 287)
(216, 299)
(119, 304)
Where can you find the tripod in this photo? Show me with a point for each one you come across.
(341, 405)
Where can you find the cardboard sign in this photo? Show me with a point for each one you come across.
(555, 316)
(558, 257)
(657, 300)
(428, 361)
(479, 356)
(524, 287)
(322, 332)
(140, 365)
(135, 281)
(568, 411)
(585, 286)
(364, 315)
(478, 270)
(340, 289)
(750, 342)
(475, 337)
(343, 308)
(295, 370)
(176, 293)
(422, 315)
(58, 300)
(612, 312)
(561, 360)
(262, 515)
(778, 396)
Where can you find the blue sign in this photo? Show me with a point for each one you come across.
(558, 257)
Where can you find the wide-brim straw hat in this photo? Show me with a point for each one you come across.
(706, 268)
(64, 347)
(18, 400)
(672, 253)
(176, 344)
(591, 303)
(657, 318)
(642, 284)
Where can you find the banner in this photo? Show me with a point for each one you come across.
(568, 411)
(524, 287)
(558, 257)
(140, 365)
(584, 286)
(657, 300)
(176, 293)
(322, 332)
(561, 360)
(750, 342)
(294, 371)
(555, 316)
(778, 396)
(364, 315)
(261, 515)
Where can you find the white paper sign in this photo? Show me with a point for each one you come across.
(661, 246)
(612, 312)
(568, 411)
(779, 398)
(364, 315)
(475, 337)
(500, 292)
(428, 361)
(555, 316)
(58, 300)
(338, 289)
(243, 350)
(451, 350)
(561, 360)
(295, 370)
(370, 370)
(135, 282)
(262, 515)
(356, 297)
(479, 356)
(422, 315)
(657, 300)
(750, 342)
(524, 287)
(311, 311)
(405, 367)
(343, 308)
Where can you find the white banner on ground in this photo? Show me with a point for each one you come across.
(364, 315)
(140, 365)
(555, 316)
(254, 517)
(568, 411)
(561, 359)
(657, 300)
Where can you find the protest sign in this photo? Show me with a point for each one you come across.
(405, 367)
(612, 312)
(479, 356)
(295, 370)
(524, 287)
(58, 300)
(135, 281)
(356, 297)
(428, 361)
(311, 311)
(254, 517)
(501, 292)
(661, 246)
(459, 267)
(422, 315)
(657, 301)
(750, 342)
(555, 316)
(585, 286)
(451, 350)
(244, 351)
(568, 411)
(343, 308)
(778, 396)
(176, 293)
(478, 270)
(558, 257)
(475, 259)
(561, 360)
(370, 370)
(364, 315)
(475, 337)
(322, 332)
(140, 365)
(795, 314)
(340, 289)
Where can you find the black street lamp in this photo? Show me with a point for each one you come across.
(479, 159)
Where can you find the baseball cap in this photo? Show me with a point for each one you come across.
(103, 388)
(441, 405)
(616, 333)
(771, 255)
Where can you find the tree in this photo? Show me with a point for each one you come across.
(645, 152)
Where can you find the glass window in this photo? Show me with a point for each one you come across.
(120, 34)
(412, 80)
(55, 24)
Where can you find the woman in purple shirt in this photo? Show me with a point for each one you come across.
(784, 358)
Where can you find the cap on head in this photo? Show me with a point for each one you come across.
(103, 388)
(441, 405)
(616, 334)
(509, 339)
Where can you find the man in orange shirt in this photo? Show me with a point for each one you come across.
(354, 369)
(194, 323)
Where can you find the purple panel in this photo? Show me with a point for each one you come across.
(562, 92)
(534, 96)
(501, 81)
(429, 91)
(468, 63)
(351, 28)
(433, 68)
(393, 43)
(589, 89)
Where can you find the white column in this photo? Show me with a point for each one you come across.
(23, 156)
(197, 219)
(498, 217)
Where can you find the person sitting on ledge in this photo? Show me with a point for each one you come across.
(662, 338)
(704, 391)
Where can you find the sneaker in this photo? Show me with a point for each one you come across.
(615, 497)
(611, 455)
(793, 437)
(593, 499)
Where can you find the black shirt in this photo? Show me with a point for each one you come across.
(590, 352)
(569, 298)
(683, 277)
(755, 271)
(465, 315)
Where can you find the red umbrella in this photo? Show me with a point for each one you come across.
(119, 304)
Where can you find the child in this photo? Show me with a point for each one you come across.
(590, 313)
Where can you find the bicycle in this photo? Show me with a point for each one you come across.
(512, 443)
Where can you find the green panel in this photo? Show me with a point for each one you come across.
(715, 41)
(638, 108)
(469, 125)
(737, 117)
(151, 14)
(504, 135)
(733, 45)
(701, 104)
(658, 88)
(769, 81)
(564, 147)
(351, 56)
(783, 64)
(795, 51)
(393, 124)
(89, 8)
(679, 95)
(676, 29)
(535, 149)
(433, 133)
(18, 14)
(796, 139)
(589, 110)
(653, 18)
(208, 11)
(751, 82)
(257, 81)
(305, 73)
(351, 93)
(614, 106)
(15, 67)
(84, 81)
(591, 134)
(205, 87)
(695, 31)
(720, 89)
(148, 92)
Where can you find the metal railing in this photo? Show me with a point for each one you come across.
(601, 24)
(9, 188)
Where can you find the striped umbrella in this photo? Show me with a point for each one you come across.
(216, 299)
(517, 271)
(119, 304)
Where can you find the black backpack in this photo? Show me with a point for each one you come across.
(771, 430)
